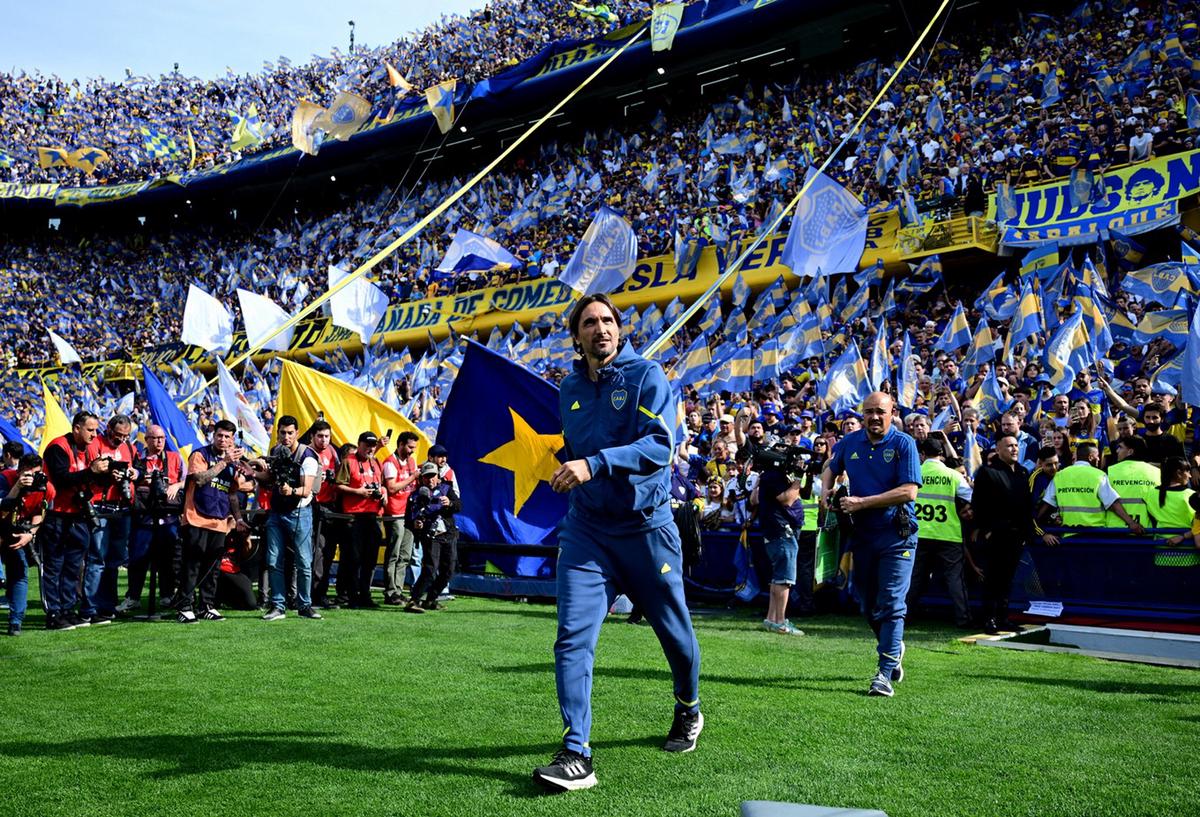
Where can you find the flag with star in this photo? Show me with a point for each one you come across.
(441, 103)
(502, 428)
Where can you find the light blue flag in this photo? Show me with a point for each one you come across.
(880, 357)
(957, 333)
(1189, 378)
(935, 119)
(1171, 324)
(1027, 319)
(829, 229)
(808, 336)
(1193, 112)
(982, 349)
(664, 22)
(943, 419)
(605, 258)
(906, 375)
(845, 384)
(473, 252)
(650, 180)
(730, 143)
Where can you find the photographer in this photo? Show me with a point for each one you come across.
(290, 473)
(211, 509)
(158, 498)
(430, 515)
(360, 480)
(67, 532)
(21, 512)
(113, 501)
(785, 483)
(327, 531)
(399, 477)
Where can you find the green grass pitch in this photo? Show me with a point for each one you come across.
(376, 712)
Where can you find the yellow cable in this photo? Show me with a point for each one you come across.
(687, 314)
(412, 231)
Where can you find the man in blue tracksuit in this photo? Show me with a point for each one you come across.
(619, 534)
(884, 472)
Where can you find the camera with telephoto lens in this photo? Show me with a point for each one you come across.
(84, 498)
(790, 460)
(424, 507)
(284, 470)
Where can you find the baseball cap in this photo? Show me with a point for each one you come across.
(368, 437)
(438, 450)
(429, 468)
(806, 413)
(706, 417)
(726, 418)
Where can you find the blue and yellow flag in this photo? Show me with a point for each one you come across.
(1044, 257)
(11, 434)
(1068, 353)
(87, 159)
(845, 384)
(158, 144)
(247, 129)
(53, 157)
(346, 114)
(957, 333)
(181, 436)
(1128, 252)
(441, 103)
(502, 427)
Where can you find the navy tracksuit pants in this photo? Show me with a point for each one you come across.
(593, 566)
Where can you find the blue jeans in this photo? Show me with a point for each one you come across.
(16, 586)
(782, 551)
(107, 551)
(883, 568)
(292, 530)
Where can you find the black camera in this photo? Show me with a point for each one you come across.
(84, 498)
(791, 460)
(40, 482)
(284, 470)
(423, 507)
(374, 490)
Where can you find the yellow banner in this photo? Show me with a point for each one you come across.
(655, 280)
(13, 190)
(1131, 199)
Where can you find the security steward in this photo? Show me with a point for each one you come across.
(1082, 494)
(885, 475)
(1171, 506)
(1134, 480)
(944, 496)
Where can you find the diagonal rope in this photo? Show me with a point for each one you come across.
(412, 231)
(736, 266)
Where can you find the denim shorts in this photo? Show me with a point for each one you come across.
(782, 552)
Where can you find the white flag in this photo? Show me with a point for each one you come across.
(359, 306)
(237, 410)
(66, 352)
(206, 322)
(262, 317)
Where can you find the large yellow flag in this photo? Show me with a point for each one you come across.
(57, 423)
(304, 122)
(396, 79)
(87, 159)
(53, 157)
(349, 411)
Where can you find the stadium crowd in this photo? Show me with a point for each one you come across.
(1114, 432)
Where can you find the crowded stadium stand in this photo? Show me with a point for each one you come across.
(1024, 264)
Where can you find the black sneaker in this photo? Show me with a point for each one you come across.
(211, 615)
(308, 612)
(103, 618)
(62, 622)
(14, 629)
(684, 731)
(275, 614)
(568, 771)
(78, 620)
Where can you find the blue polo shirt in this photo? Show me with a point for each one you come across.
(875, 468)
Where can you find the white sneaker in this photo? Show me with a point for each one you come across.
(128, 605)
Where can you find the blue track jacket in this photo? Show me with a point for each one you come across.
(621, 425)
